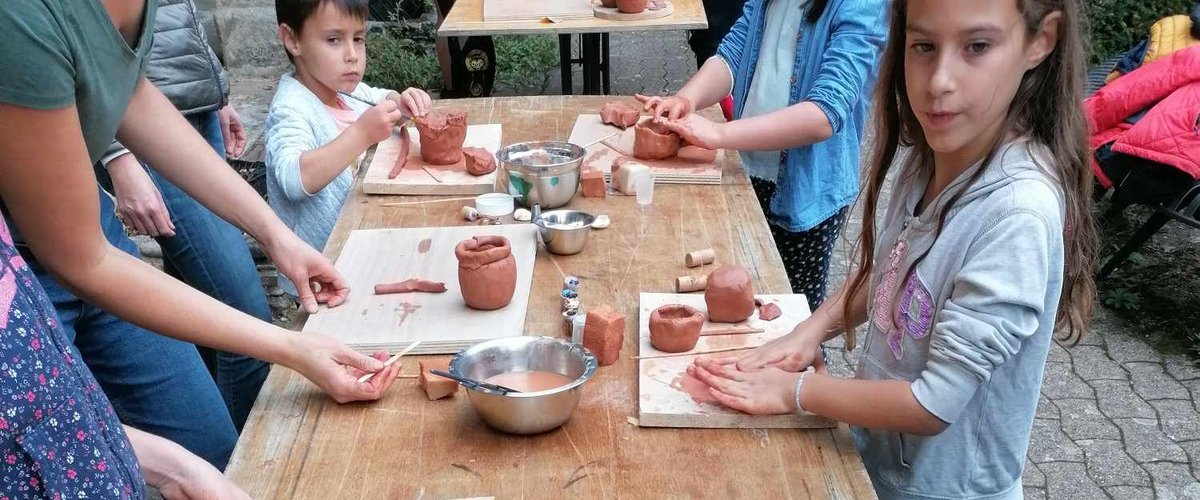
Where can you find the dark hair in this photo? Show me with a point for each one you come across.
(1047, 107)
(815, 10)
(294, 13)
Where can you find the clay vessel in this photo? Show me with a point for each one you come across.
(442, 136)
(619, 114)
(487, 272)
(479, 161)
(631, 6)
(653, 141)
(608, 3)
(729, 296)
(675, 328)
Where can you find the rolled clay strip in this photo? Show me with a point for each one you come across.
(410, 286)
(684, 284)
(700, 257)
(402, 158)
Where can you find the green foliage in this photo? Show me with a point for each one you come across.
(1116, 25)
(1123, 298)
(398, 63)
(524, 61)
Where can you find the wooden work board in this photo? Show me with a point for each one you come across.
(528, 10)
(441, 321)
(663, 384)
(694, 165)
(413, 179)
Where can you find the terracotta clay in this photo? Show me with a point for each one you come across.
(591, 183)
(675, 328)
(612, 4)
(729, 296)
(487, 272)
(442, 136)
(631, 6)
(767, 311)
(620, 114)
(436, 386)
(409, 286)
(603, 334)
(653, 141)
(479, 161)
(402, 157)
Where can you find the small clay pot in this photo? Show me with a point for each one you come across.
(631, 6)
(487, 272)
(675, 328)
(608, 3)
(729, 296)
(442, 136)
(653, 141)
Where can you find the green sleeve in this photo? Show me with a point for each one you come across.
(35, 59)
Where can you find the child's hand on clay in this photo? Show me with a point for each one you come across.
(665, 108)
(413, 102)
(793, 352)
(759, 392)
(698, 131)
(376, 124)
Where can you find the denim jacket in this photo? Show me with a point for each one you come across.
(836, 64)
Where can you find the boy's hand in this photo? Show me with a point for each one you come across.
(415, 102)
(376, 124)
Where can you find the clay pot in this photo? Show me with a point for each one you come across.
(619, 114)
(631, 6)
(608, 3)
(487, 272)
(652, 141)
(442, 136)
(675, 328)
(729, 296)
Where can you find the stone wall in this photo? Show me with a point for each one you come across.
(249, 44)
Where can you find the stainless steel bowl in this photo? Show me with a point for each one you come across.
(564, 231)
(525, 412)
(542, 173)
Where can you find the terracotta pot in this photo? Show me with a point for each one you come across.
(729, 296)
(675, 328)
(631, 6)
(652, 141)
(442, 136)
(487, 272)
(608, 3)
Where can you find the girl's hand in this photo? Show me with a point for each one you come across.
(195, 479)
(415, 102)
(376, 124)
(668, 108)
(316, 280)
(336, 368)
(759, 392)
(792, 352)
(698, 131)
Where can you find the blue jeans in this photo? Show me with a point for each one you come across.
(210, 255)
(156, 384)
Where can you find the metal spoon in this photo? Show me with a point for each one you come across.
(470, 382)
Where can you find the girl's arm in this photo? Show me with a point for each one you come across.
(797, 125)
(176, 472)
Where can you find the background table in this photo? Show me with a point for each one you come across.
(298, 443)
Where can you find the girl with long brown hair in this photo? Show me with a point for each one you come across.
(985, 250)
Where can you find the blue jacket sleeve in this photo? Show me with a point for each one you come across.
(850, 64)
(733, 45)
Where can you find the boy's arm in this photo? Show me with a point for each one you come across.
(320, 166)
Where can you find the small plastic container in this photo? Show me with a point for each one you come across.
(644, 184)
(494, 204)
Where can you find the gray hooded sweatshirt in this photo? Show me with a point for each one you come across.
(970, 326)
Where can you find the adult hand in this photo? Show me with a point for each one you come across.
(316, 280)
(139, 203)
(232, 131)
(336, 368)
(665, 108)
(768, 391)
(698, 130)
(415, 102)
(792, 352)
(187, 476)
(376, 124)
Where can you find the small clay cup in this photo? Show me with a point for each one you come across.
(675, 328)
(442, 136)
(631, 6)
(487, 272)
(729, 295)
(653, 141)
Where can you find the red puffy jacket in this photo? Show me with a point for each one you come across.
(1167, 134)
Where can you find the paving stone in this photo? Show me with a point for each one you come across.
(1034, 493)
(1061, 382)
(1179, 419)
(1193, 386)
(1069, 481)
(1130, 492)
(1146, 443)
(1124, 348)
(1046, 408)
(1092, 363)
(1048, 443)
(1181, 367)
(1058, 354)
(1081, 419)
(1173, 481)
(1151, 382)
(1109, 465)
(1192, 448)
(1032, 476)
(1117, 400)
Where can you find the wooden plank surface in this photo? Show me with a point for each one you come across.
(662, 381)
(694, 165)
(441, 321)
(466, 19)
(526, 10)
(451, 179)
(300, 444)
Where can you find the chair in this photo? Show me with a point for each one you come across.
(1172, 196)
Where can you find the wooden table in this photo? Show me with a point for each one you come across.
(298, 443)
(466, 19)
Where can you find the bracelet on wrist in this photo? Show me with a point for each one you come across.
(799, 385)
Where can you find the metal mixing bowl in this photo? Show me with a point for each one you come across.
(525, 412)
(542, 173)
(564, 231)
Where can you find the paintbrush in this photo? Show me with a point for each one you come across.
(404, 122)
(390, 361)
